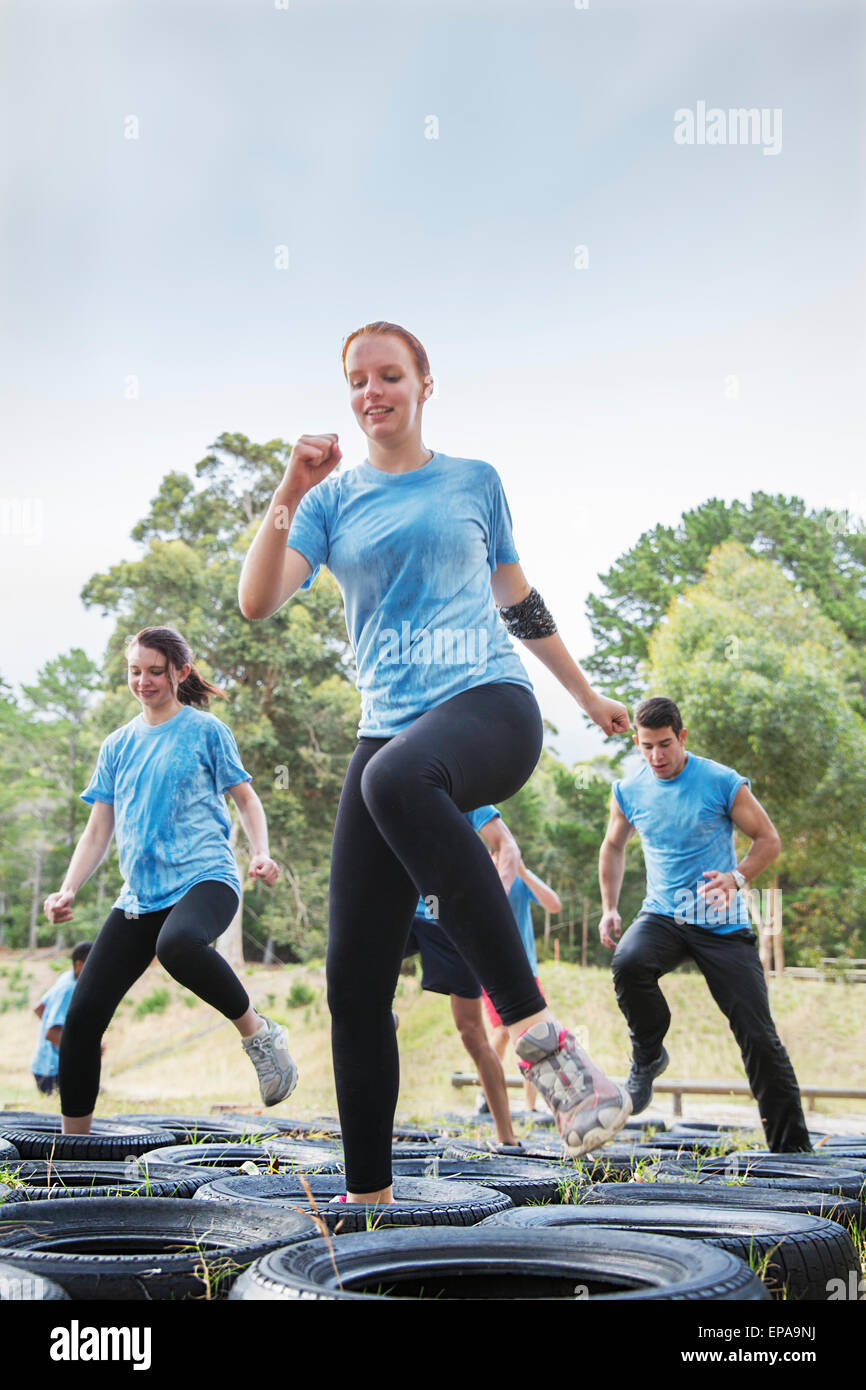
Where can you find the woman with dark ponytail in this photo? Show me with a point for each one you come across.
(159, 787)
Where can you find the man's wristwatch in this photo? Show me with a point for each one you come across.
(740, 879)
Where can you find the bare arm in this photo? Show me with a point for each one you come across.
(87, 856)
(510, 586)
(254, 822)
(543, 892)
(39, 1010)
(611, 868)
(273, 571)
(53, 1034)
(505, 848)
(748, 816)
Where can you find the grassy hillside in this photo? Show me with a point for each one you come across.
(202, 1063)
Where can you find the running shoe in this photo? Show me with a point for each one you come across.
(268, 1050)
(639, 1082)
(589, 1108)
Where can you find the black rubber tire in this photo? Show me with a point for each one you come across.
(841, 1209)
(297, 1158)
(610, 1265)
(522, 1179)
(19, 1286)
(710, 1127)
(679, 1173)
(612, 1163)
(823, 1162)
(7, 1151)
(201, 1129)
(823, 1175)
(796, 1256)
(417, 1201)
(45, 1180)
(110, 1141)
(170, 1240)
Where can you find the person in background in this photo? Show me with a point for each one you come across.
(527, 888)
(51, 1010)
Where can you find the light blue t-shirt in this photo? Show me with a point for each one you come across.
(56, 1001)
(476, 819)
(520, 895)
(685, 827)
(413, 554)
(167, 784)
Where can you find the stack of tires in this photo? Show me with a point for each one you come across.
(249, 1208)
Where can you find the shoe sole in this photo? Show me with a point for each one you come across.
(284, 1094)
(601, 1134)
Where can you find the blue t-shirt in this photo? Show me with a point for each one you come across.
(685, 827)
(477, 819)
(56, 1001)
(167, 784)
(520, 895)
(413, 554)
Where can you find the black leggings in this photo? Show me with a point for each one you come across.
(401, 831)
(179, 936)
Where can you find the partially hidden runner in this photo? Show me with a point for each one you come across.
(159, 786)
(444, 971)
(420, 544)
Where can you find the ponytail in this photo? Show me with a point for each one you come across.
(194, 690)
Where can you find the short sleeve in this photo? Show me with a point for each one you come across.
(617, 792)
(478, 819)
(308, 533)
(57, 1006)
(101, 785)
(226, 762)
(501, 549)
(731, 785)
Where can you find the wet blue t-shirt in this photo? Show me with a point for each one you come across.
(413, 554)
(520, 895)
(685, 828)
(56, 1001)
(167, 784)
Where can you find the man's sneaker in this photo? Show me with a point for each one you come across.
(589, 1108)
(639, 1082)
(268, 1050)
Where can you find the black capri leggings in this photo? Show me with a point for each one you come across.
(179, 936)
(401, 831)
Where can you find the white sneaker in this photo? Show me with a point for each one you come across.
(268, 1050)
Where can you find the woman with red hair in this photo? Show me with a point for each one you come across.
(420, 544)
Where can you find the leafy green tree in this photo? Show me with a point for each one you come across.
(821, 552)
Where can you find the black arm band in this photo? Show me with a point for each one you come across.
(529, 618)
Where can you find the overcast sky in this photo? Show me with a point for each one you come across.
(440, 165)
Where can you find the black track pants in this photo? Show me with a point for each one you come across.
(179, 936)
(401, 831)
(729, 962)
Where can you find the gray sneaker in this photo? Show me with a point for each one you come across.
(639, 1082)
(269, 1054)
(589, 1108)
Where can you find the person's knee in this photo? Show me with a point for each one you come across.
(175, 953)
(474, 1039)
(628, 965)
